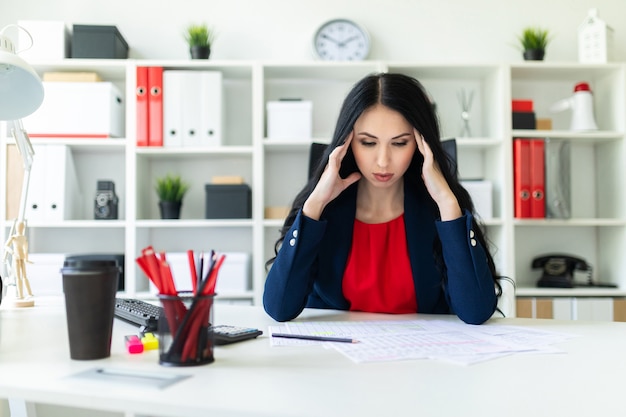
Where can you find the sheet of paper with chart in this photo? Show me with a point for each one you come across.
(455, 342)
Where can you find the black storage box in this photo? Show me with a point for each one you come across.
(228, 201)
(89, 41)
(524, 120)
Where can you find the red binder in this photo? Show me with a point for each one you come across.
(155, 106)
(537, 179)
(142, 106)
(521, 178)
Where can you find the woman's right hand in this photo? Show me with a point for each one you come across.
(330, 184)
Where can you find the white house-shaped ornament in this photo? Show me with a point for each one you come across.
(595, 40)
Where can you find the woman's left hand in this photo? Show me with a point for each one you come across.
(436, 183)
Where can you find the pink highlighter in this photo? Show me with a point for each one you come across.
(133, 344)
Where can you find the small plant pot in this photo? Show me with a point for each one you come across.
(534, 54)
(170, 209)
(200, 52)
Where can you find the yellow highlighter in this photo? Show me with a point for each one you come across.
(149, 341)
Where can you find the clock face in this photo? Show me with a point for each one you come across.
(341, 40)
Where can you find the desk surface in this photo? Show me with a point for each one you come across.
(254, 379)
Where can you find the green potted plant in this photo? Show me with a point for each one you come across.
(200, 38)
(534, 41)
(170, 189)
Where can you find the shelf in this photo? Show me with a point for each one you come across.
(476, 142)
(108, 69)
(290, 145)
(569, 222)
(569, 292)
(446, 70)
(554, 71)
(273, 222)
(591, 137)
(186, 224)
(155, 152)
(320, 70)
(80, 224)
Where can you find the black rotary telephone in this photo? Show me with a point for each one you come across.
(558, 271)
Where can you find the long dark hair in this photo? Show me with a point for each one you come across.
(408, 97)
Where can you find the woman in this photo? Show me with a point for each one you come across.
(383, 225)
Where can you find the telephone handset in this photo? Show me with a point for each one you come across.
(558, 271)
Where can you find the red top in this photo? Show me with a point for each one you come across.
(378, 276)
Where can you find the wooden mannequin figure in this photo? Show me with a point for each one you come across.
(17, 246)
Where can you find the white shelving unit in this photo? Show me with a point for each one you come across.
(276, 170)
(596, 231)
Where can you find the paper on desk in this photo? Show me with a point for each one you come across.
(423, 339)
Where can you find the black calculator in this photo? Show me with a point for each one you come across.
(224, 334)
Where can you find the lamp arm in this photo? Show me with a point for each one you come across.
(18, 27)
(25, 148)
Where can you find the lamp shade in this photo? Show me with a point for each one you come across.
(21, 90)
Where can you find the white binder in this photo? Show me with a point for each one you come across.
(192, 108)
(172, 113)
(54, 193)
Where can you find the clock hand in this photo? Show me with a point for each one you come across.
(342, 44)
(325, 36)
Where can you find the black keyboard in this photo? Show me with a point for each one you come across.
(146, 316)
(139, 313)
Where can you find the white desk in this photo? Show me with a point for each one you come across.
(254, 379)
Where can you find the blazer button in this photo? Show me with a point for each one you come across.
(473, 242)
(292, 242)
(295, 233)
(471, 233)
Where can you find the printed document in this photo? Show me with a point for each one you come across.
(454, 342)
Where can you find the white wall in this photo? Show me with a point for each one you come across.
(418, 30)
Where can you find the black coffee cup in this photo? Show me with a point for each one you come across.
(90, 288)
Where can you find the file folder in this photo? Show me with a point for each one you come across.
(210, 98)
(521, 178)
(155, 106)
(54, 193)
(141, 92)
(192, 108)
(172, 114)
(558, 180)
(537, 179)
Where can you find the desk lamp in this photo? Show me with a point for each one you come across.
(21, 93)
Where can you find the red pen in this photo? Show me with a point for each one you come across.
(192, 270)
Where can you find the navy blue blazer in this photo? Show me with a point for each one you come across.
(308, 270)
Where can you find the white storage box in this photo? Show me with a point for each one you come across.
(78, 109)
(51, 40)
(289, 120)
(234, 275)
(482, 196)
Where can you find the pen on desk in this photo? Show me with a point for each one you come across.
(318, 338)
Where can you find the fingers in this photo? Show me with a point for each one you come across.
(422, 145)
(427, 153)
(346, 144)
(419, 139)
(340, 151)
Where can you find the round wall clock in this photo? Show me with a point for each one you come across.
(341, 40)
